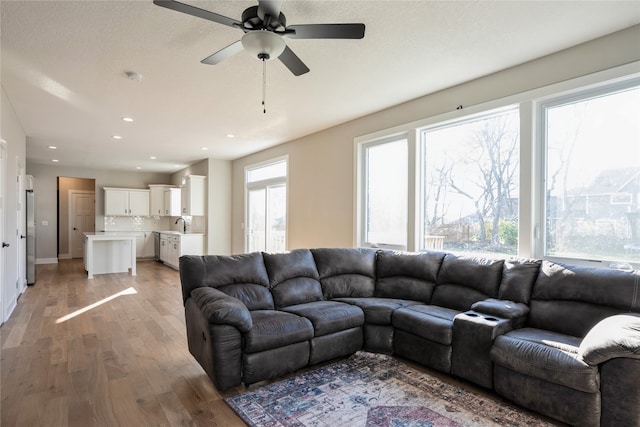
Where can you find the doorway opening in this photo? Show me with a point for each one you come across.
(76, 214)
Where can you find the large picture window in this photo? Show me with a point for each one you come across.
(593, 175)
(553, 173)
(470, 185)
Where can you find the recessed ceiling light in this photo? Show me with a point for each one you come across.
(138, 167)
(204, 148)
(153, 157)
(127, 119)
(117, 137)
(230, 135)
(55, 160)
(52, 147)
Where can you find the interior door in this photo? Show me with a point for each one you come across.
(21, 241)
(3, 250)
(82, 219)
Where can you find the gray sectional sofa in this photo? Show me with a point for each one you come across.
(558, 339)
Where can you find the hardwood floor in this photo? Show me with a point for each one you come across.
(111, 351)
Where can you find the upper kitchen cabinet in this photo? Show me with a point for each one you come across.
(193, 195)
(165, 200)
(126, 202)
(172, 202)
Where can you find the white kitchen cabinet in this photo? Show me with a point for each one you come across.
(172, 202)
(165, 200)
(174, 245)
(194, 195)
(144, 244)
(126, 202)
(156, 199)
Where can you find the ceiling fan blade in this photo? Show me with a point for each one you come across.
(292, 62)
(196, 11)
(223, 53)
(327, 31)
(269, 7)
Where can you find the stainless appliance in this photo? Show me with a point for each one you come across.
(156, 245)
(31, 238)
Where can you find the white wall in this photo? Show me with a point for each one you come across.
(45, 189)
(216, 223)
(11, 131)
(321, 166)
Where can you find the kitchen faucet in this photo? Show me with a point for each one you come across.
(184, 224)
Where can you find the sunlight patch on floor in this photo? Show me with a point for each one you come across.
(128, 291)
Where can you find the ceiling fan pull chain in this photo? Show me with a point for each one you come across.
(264, 86)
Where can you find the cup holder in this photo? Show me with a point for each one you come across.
(472, 314)
(491, 319)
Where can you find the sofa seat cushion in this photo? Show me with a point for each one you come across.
(274, 329)
(378, 311)
(546, 355)
(329, 316)
(426, 321)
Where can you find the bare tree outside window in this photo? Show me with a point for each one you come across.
(471, 188)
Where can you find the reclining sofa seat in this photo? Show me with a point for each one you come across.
(545, 365)
(254, 341)
(398, 279)
(296, 289)
(424, 333)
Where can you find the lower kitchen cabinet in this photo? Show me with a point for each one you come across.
(174, 245)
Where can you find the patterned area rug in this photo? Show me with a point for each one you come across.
(372, 390)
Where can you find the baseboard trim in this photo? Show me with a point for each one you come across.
(64, 256)
(46, 260)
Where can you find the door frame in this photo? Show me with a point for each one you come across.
(71, 215)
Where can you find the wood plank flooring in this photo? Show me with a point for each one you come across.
(111, 351)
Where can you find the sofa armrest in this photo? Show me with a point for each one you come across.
(501, 308)
(220, 308)
(614, 336)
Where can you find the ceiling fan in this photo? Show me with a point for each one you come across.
(264, 27)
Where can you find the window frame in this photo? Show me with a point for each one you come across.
(265, 184)
(421, 146)
(361, 192)
(578, 94)
(531, 214)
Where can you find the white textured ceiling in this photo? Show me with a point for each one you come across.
(64, 63)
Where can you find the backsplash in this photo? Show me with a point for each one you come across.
(196, 224)
(136, 223)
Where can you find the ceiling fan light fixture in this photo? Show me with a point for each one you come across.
(263, 45)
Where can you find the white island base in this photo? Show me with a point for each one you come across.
(109, 253)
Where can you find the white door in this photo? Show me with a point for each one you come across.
(3, 251)
(267, 218)
(22, 230)
(81, 220)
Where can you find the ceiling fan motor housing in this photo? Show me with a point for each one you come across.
(251, 21)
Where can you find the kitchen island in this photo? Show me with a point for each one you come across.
(109, 252)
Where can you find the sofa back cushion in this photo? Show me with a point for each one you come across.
(346, 272)
(293, 277)
(409, 276)
(518, 277)
(241, 276)
(572, 299)
(464, 280)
